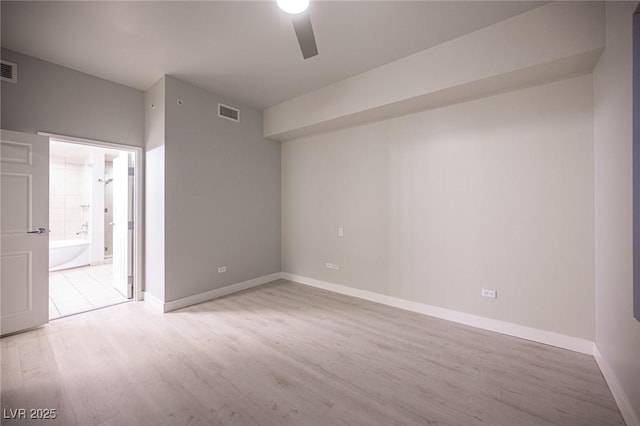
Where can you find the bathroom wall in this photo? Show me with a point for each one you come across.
(67, 196)
(95, 182)
(108, 206)
(77, 195)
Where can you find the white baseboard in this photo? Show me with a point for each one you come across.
(212, 294)
(630, 417)
(542, 336)
(153, 301)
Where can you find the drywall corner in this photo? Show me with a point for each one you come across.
(617, 332)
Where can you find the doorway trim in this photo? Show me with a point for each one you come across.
(138, 196)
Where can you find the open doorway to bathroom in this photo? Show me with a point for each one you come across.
(91, 227)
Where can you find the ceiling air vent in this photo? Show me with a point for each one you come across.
(9, 71)
(229, 113)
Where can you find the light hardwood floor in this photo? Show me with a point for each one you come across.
(286, 354)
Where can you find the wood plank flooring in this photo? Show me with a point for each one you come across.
(286, 354)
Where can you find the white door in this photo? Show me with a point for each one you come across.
(121, 247)
(24, 235)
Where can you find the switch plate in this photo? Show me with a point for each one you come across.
(489, 293)
(222, 269)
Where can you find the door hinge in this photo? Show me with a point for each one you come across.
(130, 171)
(130, 225)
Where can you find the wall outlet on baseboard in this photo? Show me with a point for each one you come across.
(222, 269)
(489, 293)
(332, 266)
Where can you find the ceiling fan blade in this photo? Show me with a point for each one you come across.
(304, 32)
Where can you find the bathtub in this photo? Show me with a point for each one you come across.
(65, 254)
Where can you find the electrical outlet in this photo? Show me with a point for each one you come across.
(332, 266)
(222, 269)
(340, 231)
(489, 293)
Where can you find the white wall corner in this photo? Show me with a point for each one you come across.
(529, 333)
(628, 413)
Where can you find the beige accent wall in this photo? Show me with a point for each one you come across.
(494, 193)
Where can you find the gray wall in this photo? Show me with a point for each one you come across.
(222, 194)
(60, 100)
(495, 193)
(617, 332)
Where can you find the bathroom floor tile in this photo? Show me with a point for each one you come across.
(82, 289)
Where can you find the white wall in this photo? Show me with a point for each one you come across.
(494, 193)
(222, 194)
(154, 110)
(617, 332)
(56, 99)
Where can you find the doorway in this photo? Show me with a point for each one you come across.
(91, 250)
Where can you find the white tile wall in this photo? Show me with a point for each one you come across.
(68, 191)
(57, 201)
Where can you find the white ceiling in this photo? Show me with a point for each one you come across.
(242, 50)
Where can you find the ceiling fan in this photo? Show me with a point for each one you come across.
(302, 25)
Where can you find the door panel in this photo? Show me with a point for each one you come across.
(121, 247)
(16, 214)
(24, 207)
(17, 299)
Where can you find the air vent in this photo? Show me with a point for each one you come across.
(9, 71)
(229, 113)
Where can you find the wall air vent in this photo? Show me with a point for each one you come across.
(229, 113)
(9, 71)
